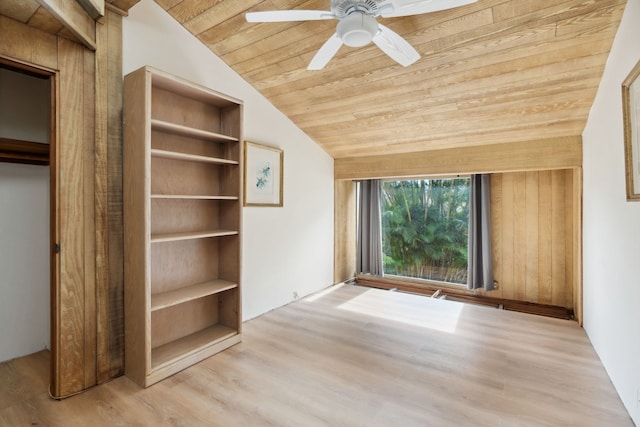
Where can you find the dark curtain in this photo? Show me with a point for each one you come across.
(369, 239)
(480, 257)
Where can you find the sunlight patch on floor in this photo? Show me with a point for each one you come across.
(416, 310)
(320, 294)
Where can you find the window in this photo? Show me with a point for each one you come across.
(425, 225)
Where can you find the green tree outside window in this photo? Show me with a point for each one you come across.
(425, 226)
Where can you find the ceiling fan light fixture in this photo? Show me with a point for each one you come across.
(357, 25)
(357, 29)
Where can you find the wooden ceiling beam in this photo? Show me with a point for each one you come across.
(542, 154)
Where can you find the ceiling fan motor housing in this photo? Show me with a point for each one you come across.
(357, 29)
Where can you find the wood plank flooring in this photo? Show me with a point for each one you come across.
(354, 356)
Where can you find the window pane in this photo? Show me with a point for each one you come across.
(425, 225)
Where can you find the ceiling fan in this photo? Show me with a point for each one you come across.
(357, 25)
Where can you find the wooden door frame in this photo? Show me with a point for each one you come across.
(53, 191)
(54, 245)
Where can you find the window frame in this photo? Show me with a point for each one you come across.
(419, 280)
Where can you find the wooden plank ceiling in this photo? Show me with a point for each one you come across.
(34, 14)
(491, 72)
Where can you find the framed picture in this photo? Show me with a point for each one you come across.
(263, 175)
(631, 112)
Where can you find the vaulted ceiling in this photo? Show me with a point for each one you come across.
(490, 72)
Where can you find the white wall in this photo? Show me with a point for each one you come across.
(24, 220)
(24, 107)
(285, 250)
(612, 226)
(24, 259)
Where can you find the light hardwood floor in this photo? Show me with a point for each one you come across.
(354, 356)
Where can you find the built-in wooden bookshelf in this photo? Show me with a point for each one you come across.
(182, 192)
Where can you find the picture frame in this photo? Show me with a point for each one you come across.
(631, 115)
(263, 175)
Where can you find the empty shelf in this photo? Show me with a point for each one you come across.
(189, 293)
(192, 197)
(181, 130)
(191, 157)
(170, 352)
(191, 235)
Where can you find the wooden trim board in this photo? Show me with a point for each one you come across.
(543, 154)
(464, 295)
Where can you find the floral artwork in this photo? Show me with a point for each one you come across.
(263, 175)
(264, 180)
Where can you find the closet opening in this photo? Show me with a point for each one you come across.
(27, 208)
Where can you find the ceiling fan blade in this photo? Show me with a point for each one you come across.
(326, 52)
(395, 46)
(393, 8)
(289, 15)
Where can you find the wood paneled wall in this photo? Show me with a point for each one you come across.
(87, 308)
(344, 230)
(533, 225)
(109, 199)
